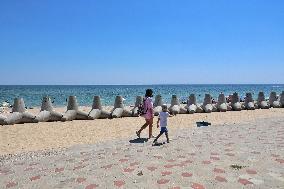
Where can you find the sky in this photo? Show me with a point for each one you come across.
(101, 42)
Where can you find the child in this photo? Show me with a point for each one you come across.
(163, 120)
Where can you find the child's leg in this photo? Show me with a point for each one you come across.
(167, 136)
(158, 137)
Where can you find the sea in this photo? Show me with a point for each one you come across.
(32, 94)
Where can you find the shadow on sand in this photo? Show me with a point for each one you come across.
(139, 140)
(158, 144)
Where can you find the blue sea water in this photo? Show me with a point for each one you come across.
(33, 94)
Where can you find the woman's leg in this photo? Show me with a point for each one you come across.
(150, 121)
(142, 128)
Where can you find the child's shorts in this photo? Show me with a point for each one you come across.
(163, 130)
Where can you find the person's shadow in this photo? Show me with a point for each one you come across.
(158, 144)
(139, 140)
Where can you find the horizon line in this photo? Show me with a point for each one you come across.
(141, 84)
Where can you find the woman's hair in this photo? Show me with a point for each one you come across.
(149, 93)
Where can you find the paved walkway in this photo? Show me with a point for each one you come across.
(227, 156)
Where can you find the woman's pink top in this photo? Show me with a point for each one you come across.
(149, 107)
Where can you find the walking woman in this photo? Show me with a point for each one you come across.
(149, 113)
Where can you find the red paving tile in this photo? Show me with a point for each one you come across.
(32, 164)
(58, 170)
(128, 170)
(81, 180)
(186, 174)
(79, 167)
(169, 166)
(230, 154)
(123, 160)
(216, 170)
(158, 157)
(197, 186)
(70, 160)
(29, 169)
(214, 154)
(171, 160)
(251, 172)
(215, 158)
(228, 150)
(280, 160)
(22, 163)
(107, 166)
(244, 181)
(118, 183)
(91, 186)
(4, 172)
(206, 162)
(151, 168)
(220, 179)
(35, 178)
(85, 160)
(165, 173)
(134, 163)
(11, 184)
(186, 162)
(163, 181)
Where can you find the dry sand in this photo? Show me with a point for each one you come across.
(55, 135)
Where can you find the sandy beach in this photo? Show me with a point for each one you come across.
(229, 155)
(56, 135)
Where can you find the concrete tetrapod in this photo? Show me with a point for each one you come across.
(236, 105)
(139, 100)
(261, 102)
(273, 101)
(97, 111)
(2, 119)
(47, 112)
(222, 105)
(19, 114)
(207, 104)
(282, 99)
(119, 109)
(73, 111)
(158, 104)
(191, 104)
(249, 102)
(175, 107)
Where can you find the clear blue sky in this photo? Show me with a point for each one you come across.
(141, 41)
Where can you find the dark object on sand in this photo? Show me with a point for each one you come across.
(139, 140)
(202, 124)
(140, 173)
(237, 167)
